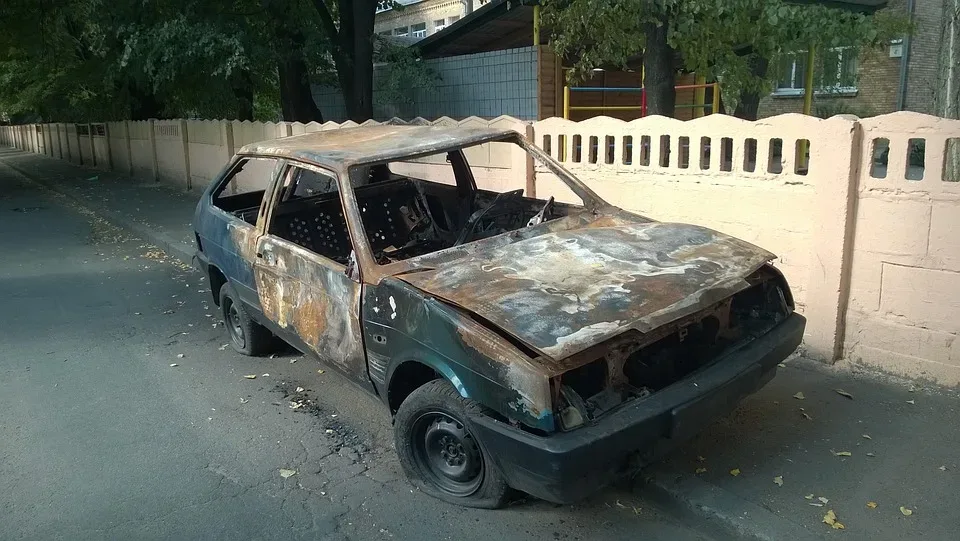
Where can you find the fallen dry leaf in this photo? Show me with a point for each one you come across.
(831, 519)
(223, 347)
(243, 400)
(943, 468)
(735, 472)
(698, 471)
(906, 512)
(287, 473)
(911, 402)
(701, 459)
(251, 376)
(816, 504)
(293, 360)
(809, 496)
(266, 375)
(320, 371)
(871, 454)
(841, 453)
(799, 396)
(872, 505)
(179, 355)
(805, 415)
(272, 356)
(843, 393)
(778, 480)
(329, 431)
(823, 500)
(867, 437)
(299, 389)
(173, 364)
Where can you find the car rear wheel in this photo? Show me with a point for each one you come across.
(439, 452)
(246, 335)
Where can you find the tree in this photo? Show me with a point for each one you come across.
(732, 41)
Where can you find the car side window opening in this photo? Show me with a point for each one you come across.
(241, 193)
(309, 213)
(419, 205)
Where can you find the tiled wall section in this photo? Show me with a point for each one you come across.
(484, 84)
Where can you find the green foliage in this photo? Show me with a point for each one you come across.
(719, 39)
(402, 72)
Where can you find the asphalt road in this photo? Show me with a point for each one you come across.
(124, 416)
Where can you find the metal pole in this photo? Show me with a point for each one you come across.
(808, 83)
(536, 25)
(566, 102)
(807, 102)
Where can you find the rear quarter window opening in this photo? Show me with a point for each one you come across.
(422, 204)
(242, 192)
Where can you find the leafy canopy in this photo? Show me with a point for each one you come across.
(720, 39)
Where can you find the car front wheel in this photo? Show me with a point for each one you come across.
(439, 452)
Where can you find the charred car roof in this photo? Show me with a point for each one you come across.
(368, 144)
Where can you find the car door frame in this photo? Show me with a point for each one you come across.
(302, 292)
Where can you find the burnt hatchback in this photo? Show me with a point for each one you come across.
(535, 344)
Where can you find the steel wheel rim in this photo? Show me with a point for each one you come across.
(232, 317)
(447, 453)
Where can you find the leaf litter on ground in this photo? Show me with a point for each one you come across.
(831, 519)
(843, 393)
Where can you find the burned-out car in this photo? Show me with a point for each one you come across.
(539, 344)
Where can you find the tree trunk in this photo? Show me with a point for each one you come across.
(296, 98)
(749, 105)
(243, 92)
(659, 71)
(144, 104)
(355, 61)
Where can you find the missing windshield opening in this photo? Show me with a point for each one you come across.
(419, 205)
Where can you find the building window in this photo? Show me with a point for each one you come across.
(419, 30)
(402, 31)
(439, 25)
(835, 72)
(451, 20)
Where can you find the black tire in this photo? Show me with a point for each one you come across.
(246, 335)
(440, 454)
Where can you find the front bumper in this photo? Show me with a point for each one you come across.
(567, 466)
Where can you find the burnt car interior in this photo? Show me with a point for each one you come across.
(403, 216)
(636, 365)
(406, 216)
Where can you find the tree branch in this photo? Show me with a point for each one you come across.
(326, 18)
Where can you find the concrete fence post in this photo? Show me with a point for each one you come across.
(93, 150)
(62, 138)
(106, 135)
(185, 144)
(128, 146)
(835, 171)
(153, 150)
(228, 139)
(36, 137)
(530, 175)
(76, 134)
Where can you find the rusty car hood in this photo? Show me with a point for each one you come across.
(564, 291)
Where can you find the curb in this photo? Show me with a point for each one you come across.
(693, 499)
(178, 249)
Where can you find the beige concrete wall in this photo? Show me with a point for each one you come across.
(905, 277)
(171, 165)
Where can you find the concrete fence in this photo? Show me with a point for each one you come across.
(864, 214)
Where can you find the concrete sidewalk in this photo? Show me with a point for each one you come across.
(815, 439)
